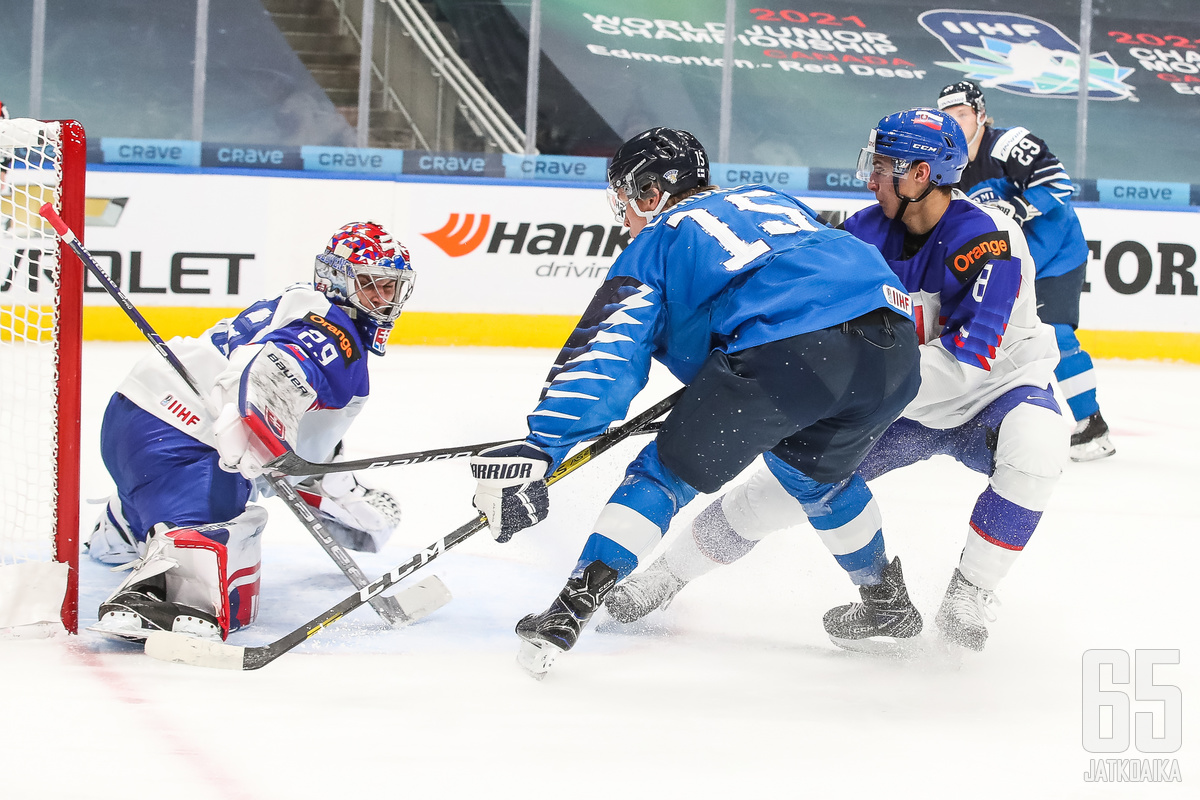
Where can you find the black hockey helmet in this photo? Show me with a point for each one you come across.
(961, 93)
(671, 160)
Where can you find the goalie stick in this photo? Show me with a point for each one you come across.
(292, 463)
(182, 649)
(388, 608)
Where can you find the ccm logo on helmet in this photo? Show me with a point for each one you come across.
(966, 261)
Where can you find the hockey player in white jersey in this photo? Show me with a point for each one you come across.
(985, 399)
(289, 373)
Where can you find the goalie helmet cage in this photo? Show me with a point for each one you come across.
(41, 336)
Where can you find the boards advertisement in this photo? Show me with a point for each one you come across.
(502, 264)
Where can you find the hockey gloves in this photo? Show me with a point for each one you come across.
(512, 490)
(1020, 209)
(357, 517)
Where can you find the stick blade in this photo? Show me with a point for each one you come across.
(422, 599)
(180, 649)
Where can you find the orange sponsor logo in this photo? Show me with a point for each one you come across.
(461, 234)
(986, 250)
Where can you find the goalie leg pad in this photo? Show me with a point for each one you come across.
(111, 541)
(202, 580)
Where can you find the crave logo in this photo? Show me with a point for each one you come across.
(1022, 55)
(465, 233)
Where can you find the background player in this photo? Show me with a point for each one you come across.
(1015, 171)
(290, 372)
(794, 340)
(985, 399)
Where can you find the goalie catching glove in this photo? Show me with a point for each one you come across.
(358, 517)
(512, 491)
(260, 409)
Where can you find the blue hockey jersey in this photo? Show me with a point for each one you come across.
(1015, 166)
(725, 270)
(320, 335)
(972, 286)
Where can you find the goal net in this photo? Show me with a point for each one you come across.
(41, 310)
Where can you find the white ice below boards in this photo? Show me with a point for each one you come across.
(733, 691)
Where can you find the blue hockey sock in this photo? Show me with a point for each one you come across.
(1003, 523)
(865, 565)
(1075, 374)
(601, 548)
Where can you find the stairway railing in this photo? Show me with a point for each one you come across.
(482, 111)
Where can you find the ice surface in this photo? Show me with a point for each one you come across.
(734, 692)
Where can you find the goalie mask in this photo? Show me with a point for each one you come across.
(367, 272)
(669, 160)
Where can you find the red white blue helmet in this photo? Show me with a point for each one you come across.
(919, 134)
(366, 271)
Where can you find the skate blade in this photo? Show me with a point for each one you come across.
(1080, 454)
(536, 658)
(137, 637)
(125, 625)
(887, 646)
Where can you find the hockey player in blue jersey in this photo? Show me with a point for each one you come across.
(286, 373)
(985, 399)
(1013, 170)
(794, 341)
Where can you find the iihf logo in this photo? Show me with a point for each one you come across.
(1023, 55)
(179, 410)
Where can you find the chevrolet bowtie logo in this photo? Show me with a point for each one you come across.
(460, 235)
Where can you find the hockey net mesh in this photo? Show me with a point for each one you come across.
(30, 175)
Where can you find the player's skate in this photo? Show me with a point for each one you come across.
(133, 613)
(1090, 440)
(639, 594)
(965, 612)
(556, 629)
(883, 620)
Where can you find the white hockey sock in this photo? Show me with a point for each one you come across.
(985, 564)
(710, 543)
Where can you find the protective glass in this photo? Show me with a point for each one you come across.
(871, 164)
(617, 202)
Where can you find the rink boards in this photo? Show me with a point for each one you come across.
(504, 263)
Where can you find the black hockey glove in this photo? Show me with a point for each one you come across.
(512, 490)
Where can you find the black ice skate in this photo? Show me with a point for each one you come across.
(556, 629)
(965, 612)
(142, 608)
(1090, 440)
(881, 622)
(638, 595)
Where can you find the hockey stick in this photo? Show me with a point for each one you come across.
(292, 463)
(387, 607)
(169, 646)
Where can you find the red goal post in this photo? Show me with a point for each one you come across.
(41, 336)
